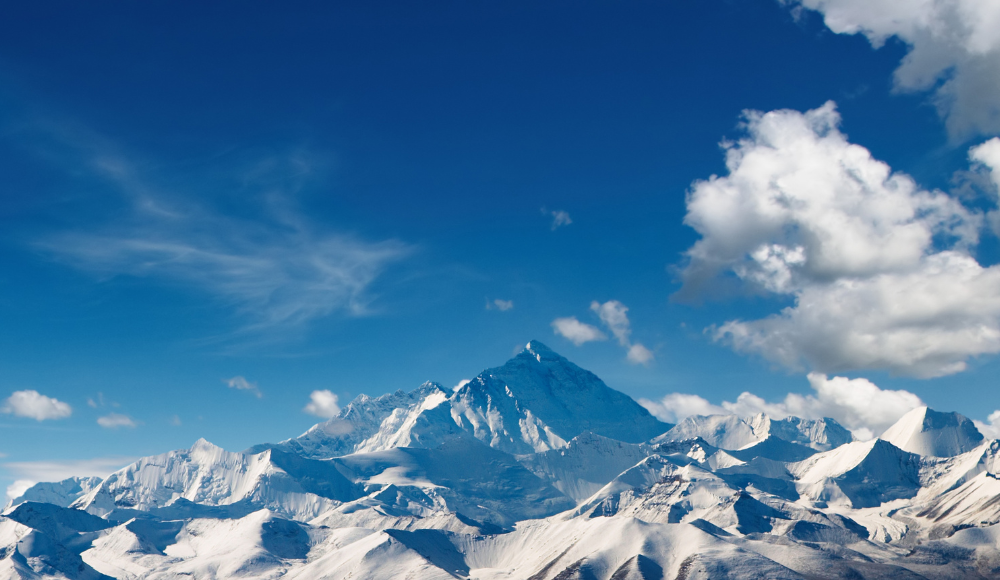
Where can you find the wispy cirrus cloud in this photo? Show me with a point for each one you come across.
(240, 383)
(233, 231)
(560, 218)
(116, 420)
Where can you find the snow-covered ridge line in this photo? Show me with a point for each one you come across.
(534, 470)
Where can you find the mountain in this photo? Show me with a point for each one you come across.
(60, 493)
(733, 433)
(928, 432)
(535, 470)
(535, 402)
(859, 474)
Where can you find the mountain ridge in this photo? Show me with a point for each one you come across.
(534, 470)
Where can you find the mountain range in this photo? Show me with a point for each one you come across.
(534, 470)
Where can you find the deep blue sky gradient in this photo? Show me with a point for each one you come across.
(443, 126)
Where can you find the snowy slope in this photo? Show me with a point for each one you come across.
(366, 424)
(733, 432)
(539, 400)
(925, 431)
(179, 482)
(60, 493)
(585, 465)
(535, 470)
(859, 474)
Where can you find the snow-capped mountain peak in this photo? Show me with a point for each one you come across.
(928, 432)
(533, 470)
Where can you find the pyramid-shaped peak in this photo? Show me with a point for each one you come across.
(928, 432)
(540, 352)
(203, 444)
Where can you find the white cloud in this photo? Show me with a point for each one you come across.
(954, 50)
(28, 473)
(322, 404)
(115, 420)
(270, 262)
(857, 404)
(241, 384)
(676, 406)
(991, 429)
(879, 269)
(575, 331)
(559, 218)
(986, 156)
(639, 354)
(34, 405)
(614, 315)
(17, 489)
(176, 421)
(501, 305)
(461, 384)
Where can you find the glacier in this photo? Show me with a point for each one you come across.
(533, 470)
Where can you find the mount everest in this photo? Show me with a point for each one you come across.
(534, 470)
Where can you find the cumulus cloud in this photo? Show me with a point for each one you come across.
(115, 420)
(34, 405)
(879, 269)
(322, 404)
(639, 354)
(559, 218)
(954, 51)
(241, 384)
(28, 473)
(991, 428)
(857, 404)
(986, 158)
(501, 305)
(575, 331)
(676, 406)
(614, 315)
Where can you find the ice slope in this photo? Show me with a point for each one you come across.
(207, 475)
(733, 432)
(60, 493)
(535, 402)
(462, 476)
(925, 431)
(585, 465)
(527, 475)
(538, 401)
(860, 474)
(368, 424)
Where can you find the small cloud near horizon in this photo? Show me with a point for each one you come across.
(241, 384)
(560, 218)
(116, 420)
(34, 405)
(499, 304)
(323, 404)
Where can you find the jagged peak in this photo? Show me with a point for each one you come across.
(203, 444)
(928, 432)
(535, 349)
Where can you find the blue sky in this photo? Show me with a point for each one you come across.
(357, 198)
